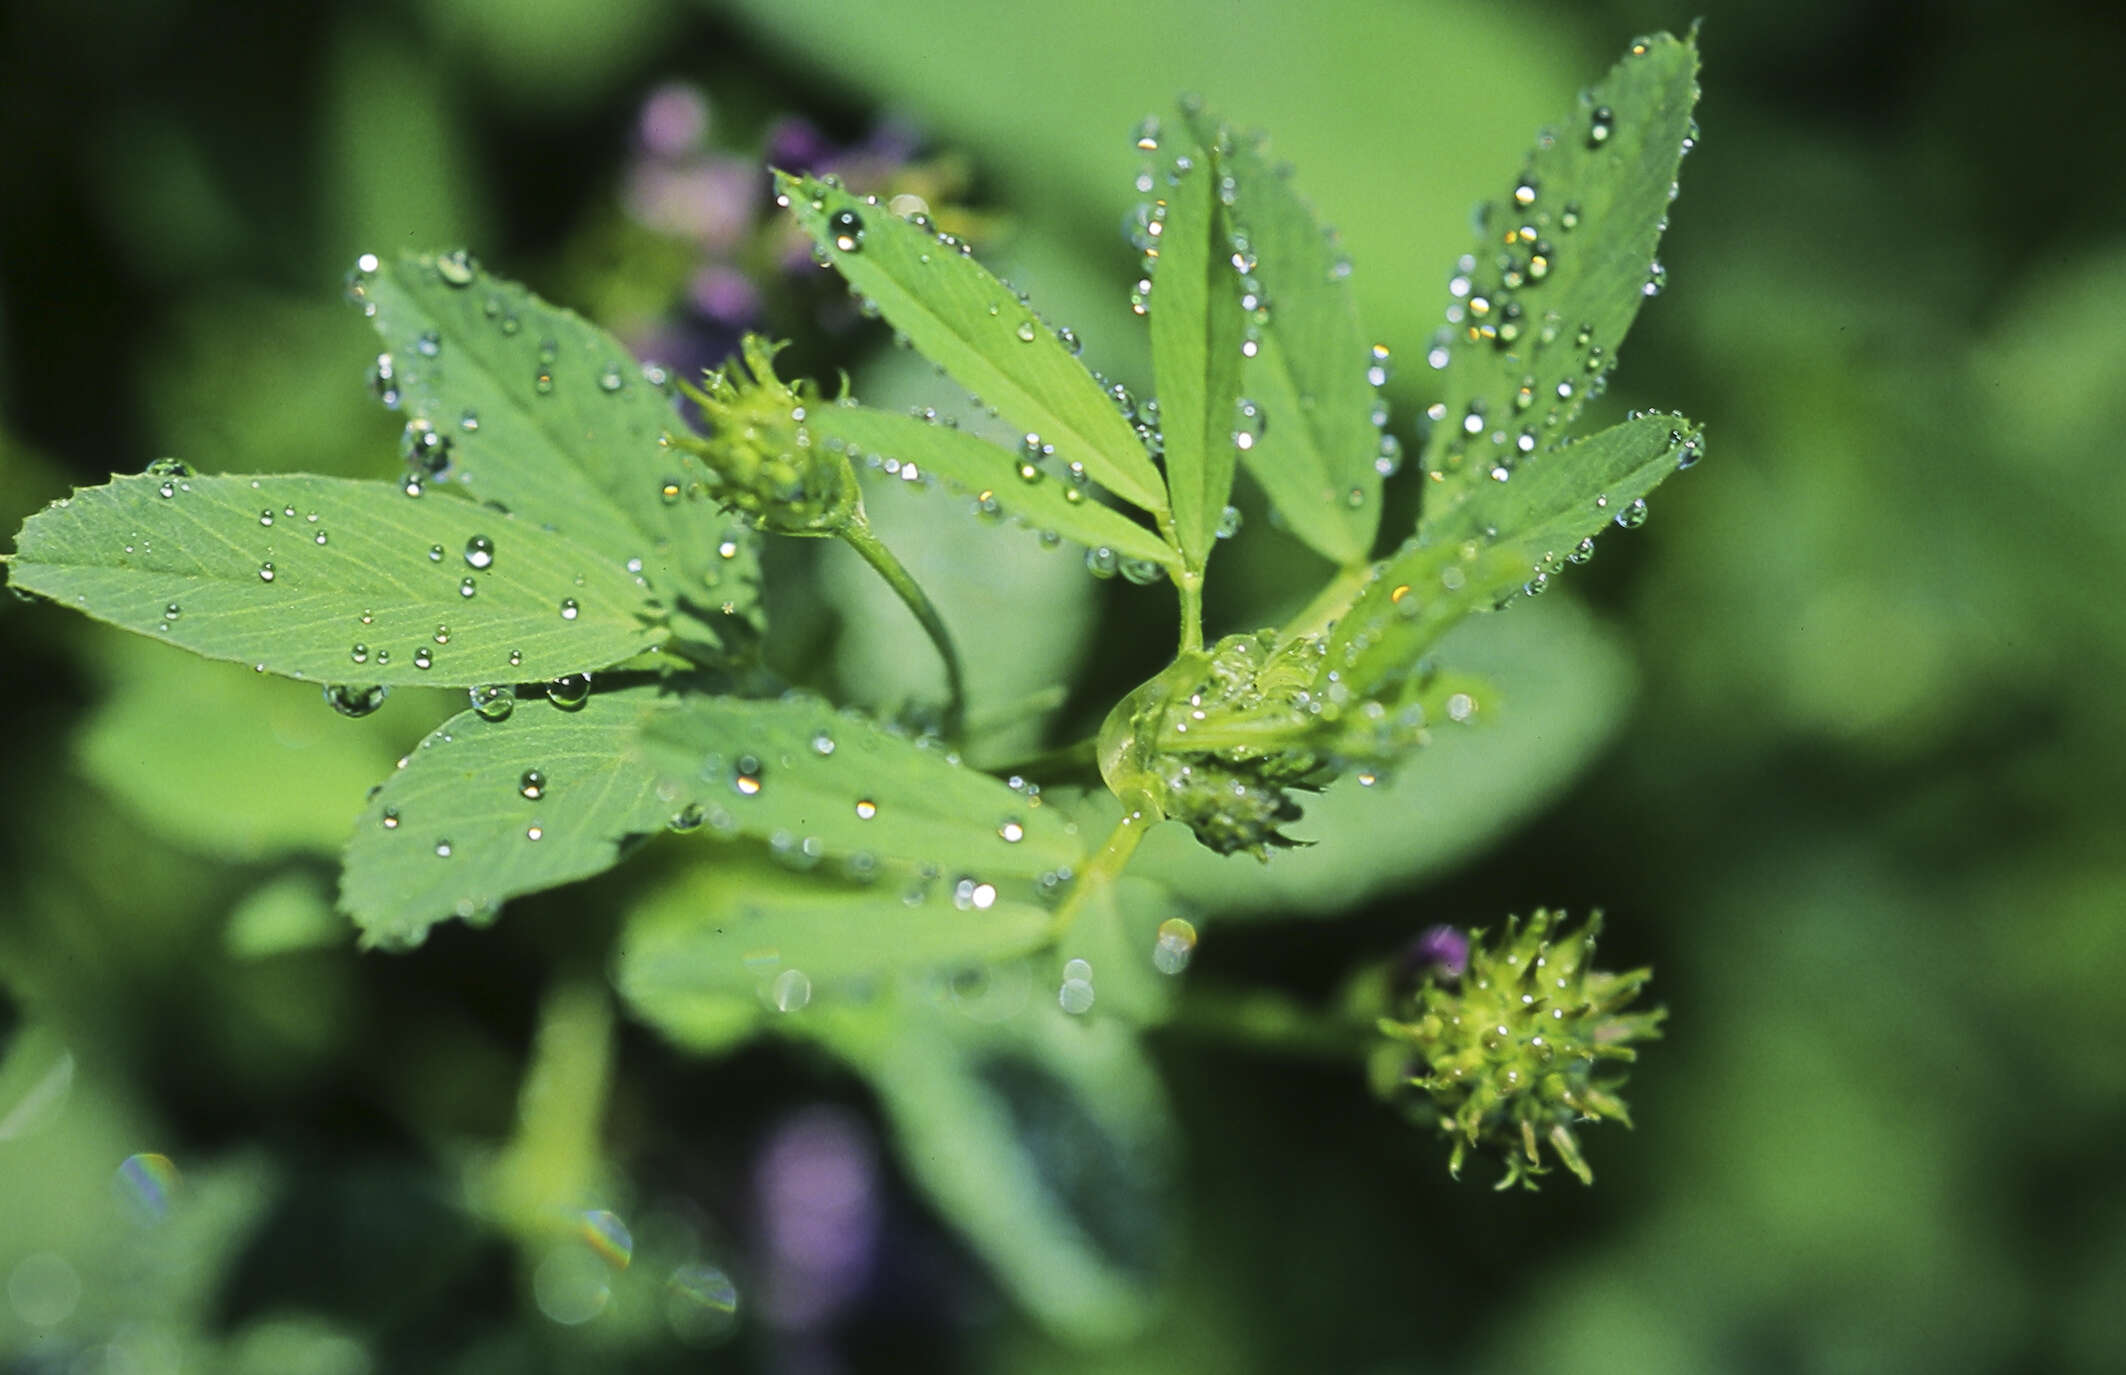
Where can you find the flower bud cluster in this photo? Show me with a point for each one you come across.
(762, 462)
(1515, 1049)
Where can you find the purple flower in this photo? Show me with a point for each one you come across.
(1439, 952)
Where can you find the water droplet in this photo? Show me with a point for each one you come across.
(480, 552)
(822, 743)
(1632, 516)
(429, 344)
(351, 700)
(532, 784)
(470, 421)
(1025, 332)
(791, 990)
(569, 691)
(1012, 831)
(265, 572)
(569, 608)
(746, 776)
(493, 701)
(866, 809)
(467, 588)
(422, 659)
(534, 832)
(611, 379)
(442, 849)
(457, 267)
(1601, 126)
(1175, 947)
(390, 818)
(1076, 995)
(687, 818)
(1524, 191)
(435, 553)
(846, 228)
(1228, 523)
(1656, 279)
(668, 492)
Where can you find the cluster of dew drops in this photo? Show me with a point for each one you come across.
(1491, 303)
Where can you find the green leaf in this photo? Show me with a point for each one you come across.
(1316, 453)
(1561, 269)
(532, 407)
(240, 766)
(1044, 1139)
(974, 465)
(289, 912)
(737, 933)
(1563, 687)
(1196, 329)
(333, 581)
(976, 328)
(1551, 503)
(796, 773)
(464, 824)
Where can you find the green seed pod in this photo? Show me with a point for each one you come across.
(761, 458)
(1523, 1045)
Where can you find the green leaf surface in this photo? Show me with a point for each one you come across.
(1196, 330)
(1563, 264)
(457, 830)
(1046, 501)
(290, 912)
(532, 407)
(334, 581)
(1045, 1139)
(976, 328)
(1315, 456)
(739, 929)
(240, 766)
(1554, 500)
(796, 773)
(1563, 685)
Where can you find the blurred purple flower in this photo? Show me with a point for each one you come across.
(673, 121)
(816, 1185)
(1439, 952)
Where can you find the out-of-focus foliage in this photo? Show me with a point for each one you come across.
(1862, 819)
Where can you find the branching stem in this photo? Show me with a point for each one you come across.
(856, 531)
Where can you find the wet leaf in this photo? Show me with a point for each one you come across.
(334, 581)
(1565, 260)
(1314, 457)
(825, 785)
(528, 405)
(486, 810)
(1571, 493)
(739, 929)
(976, 328)
(1196, 329)
(1047, 500)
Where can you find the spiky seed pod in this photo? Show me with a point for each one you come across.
(762, 461)
(1525, 1044)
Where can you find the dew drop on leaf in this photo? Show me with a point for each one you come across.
(493, 701)
(570, 691)
(480, 552)
(265, 572)
(355, 700)
(847, 229)
(456, 268)
(568, 608)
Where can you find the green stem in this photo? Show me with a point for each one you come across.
(857, 533)
(1190, 584)
(1261, 1019)
(1331, 602)
(1104, 868)
(1064, 761)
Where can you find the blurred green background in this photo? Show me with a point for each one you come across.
(1857, 803)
